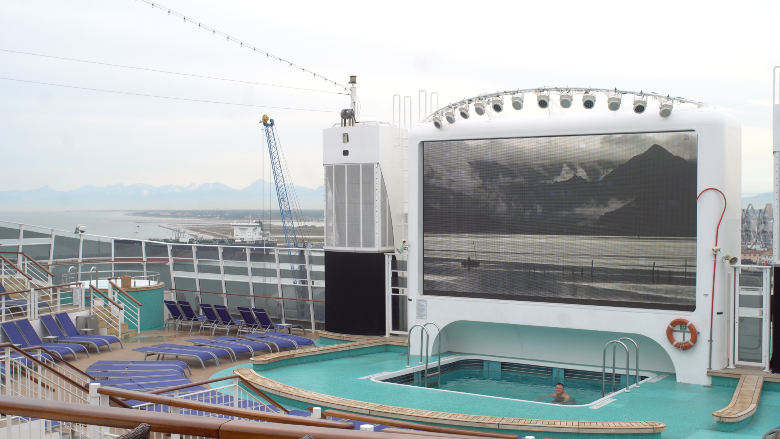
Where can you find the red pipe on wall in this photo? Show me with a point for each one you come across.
(714, 261)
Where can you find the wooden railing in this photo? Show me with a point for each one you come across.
(111, 420)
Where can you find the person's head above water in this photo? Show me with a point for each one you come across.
(559, 388)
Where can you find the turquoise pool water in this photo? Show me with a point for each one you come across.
(515, 385)
(686, 409)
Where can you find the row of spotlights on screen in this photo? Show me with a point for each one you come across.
(566, 99)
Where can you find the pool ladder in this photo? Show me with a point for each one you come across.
(424, 331)
(615, 344)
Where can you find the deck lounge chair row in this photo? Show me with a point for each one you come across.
(217, 317)
(22, 333)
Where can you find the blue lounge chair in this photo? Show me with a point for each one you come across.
(189, 314)
(54, 329)
(15, 336)
(32, 337)
(162, 352)
(251, 344)
(226, 319)
(129, 365)
(270, 328)
(280, 342)
(217, 352)
(230, 347)
(175, 315)
(70, 329)
(251, 324)
(212, 320)
(267, 324)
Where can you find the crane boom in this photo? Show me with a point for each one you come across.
(288, 225)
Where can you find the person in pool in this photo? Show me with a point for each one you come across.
(559, 397)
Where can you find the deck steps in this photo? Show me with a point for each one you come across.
(126, 331)
(744, 402)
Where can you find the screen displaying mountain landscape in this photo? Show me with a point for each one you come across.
(607, 220)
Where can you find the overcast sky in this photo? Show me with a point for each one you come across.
(67, 138)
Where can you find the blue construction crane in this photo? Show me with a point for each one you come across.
(288, 225)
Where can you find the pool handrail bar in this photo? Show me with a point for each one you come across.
(636, 359)
(409, 344)
(614, 344)
(75, 274)
(438, 333)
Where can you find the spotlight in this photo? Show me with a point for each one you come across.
(588, 101)
(497, 103)
(517, 102)
(613, 102)
(640, 104)
(437, 122)
(479, 108)
(449, 115)
(464, 111)
(543, 100)
(665, 110)
(566, 100)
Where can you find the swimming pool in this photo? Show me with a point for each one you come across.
(504, 379)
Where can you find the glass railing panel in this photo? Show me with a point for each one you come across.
(211, 286)
(165, 273)
(188, 267)
(39, 252)
(181, 251)
(183, 283)
(207, 252)
(126, 248)
(239, 271)
(264, 272)
(234, 254)
(236, 301)
(317, 275)
(299, 274)
(295, 259)
(95, 248)
(296, 309)
(208, 267)
(399, 265)
(66, 247)
(7, 232)
(29, 234)
(156, 250)
(318, 293)
(262, 255)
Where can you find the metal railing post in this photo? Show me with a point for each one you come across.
(94, 399)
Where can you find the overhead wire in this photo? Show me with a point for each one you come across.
(169, 72)
(165, 97)
(242, 44)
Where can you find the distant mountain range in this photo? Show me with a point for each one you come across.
(758, 201)
(148, 197)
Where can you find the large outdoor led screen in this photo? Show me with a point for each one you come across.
(605, 220)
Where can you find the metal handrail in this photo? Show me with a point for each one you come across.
(124, 292)
(427, 345)
(636, 359)
(614, 344)
(438, 333)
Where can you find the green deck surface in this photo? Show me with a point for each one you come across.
(686, 409)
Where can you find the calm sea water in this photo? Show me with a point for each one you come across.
(106, 223)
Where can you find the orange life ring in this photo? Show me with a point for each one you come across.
(685, 345)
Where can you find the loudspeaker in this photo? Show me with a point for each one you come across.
(355, 293)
